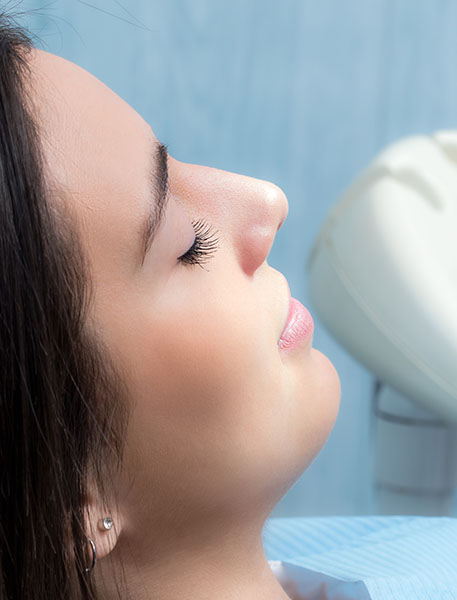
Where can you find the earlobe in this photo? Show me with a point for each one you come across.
(102, 526)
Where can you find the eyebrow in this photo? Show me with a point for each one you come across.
(158, 184)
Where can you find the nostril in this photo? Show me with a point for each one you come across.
(285, 211)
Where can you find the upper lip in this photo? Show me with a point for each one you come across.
(287, 292)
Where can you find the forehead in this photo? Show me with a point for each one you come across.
(97, 149)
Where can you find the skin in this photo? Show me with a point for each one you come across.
(222, 422)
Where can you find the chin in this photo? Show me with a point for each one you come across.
(317, 406)
(329, 395)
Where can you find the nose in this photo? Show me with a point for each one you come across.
(263, 208)
(247, 211)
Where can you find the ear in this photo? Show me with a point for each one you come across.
(95, 512)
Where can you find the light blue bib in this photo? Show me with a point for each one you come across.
(364, 558)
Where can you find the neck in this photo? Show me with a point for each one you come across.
(227, 566)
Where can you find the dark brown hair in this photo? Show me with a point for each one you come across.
(62, 409)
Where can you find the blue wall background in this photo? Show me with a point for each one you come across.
(298, 92)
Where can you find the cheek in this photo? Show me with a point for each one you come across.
(210, 393)
(207, 362)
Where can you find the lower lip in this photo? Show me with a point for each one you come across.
(299, 327)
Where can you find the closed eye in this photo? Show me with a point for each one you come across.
(204, 246)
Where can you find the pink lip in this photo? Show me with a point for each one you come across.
(298, 328)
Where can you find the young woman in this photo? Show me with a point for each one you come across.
(154, 407)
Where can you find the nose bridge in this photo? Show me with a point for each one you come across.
(248, 211)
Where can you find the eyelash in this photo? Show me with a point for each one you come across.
(204, 246)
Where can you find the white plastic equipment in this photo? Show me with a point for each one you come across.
(383, 280)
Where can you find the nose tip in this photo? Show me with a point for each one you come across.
(267, 212)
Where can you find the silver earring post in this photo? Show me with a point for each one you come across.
(105, 524)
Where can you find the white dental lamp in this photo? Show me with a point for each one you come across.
(383, 280)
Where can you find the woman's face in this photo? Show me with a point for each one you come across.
(222, 420)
